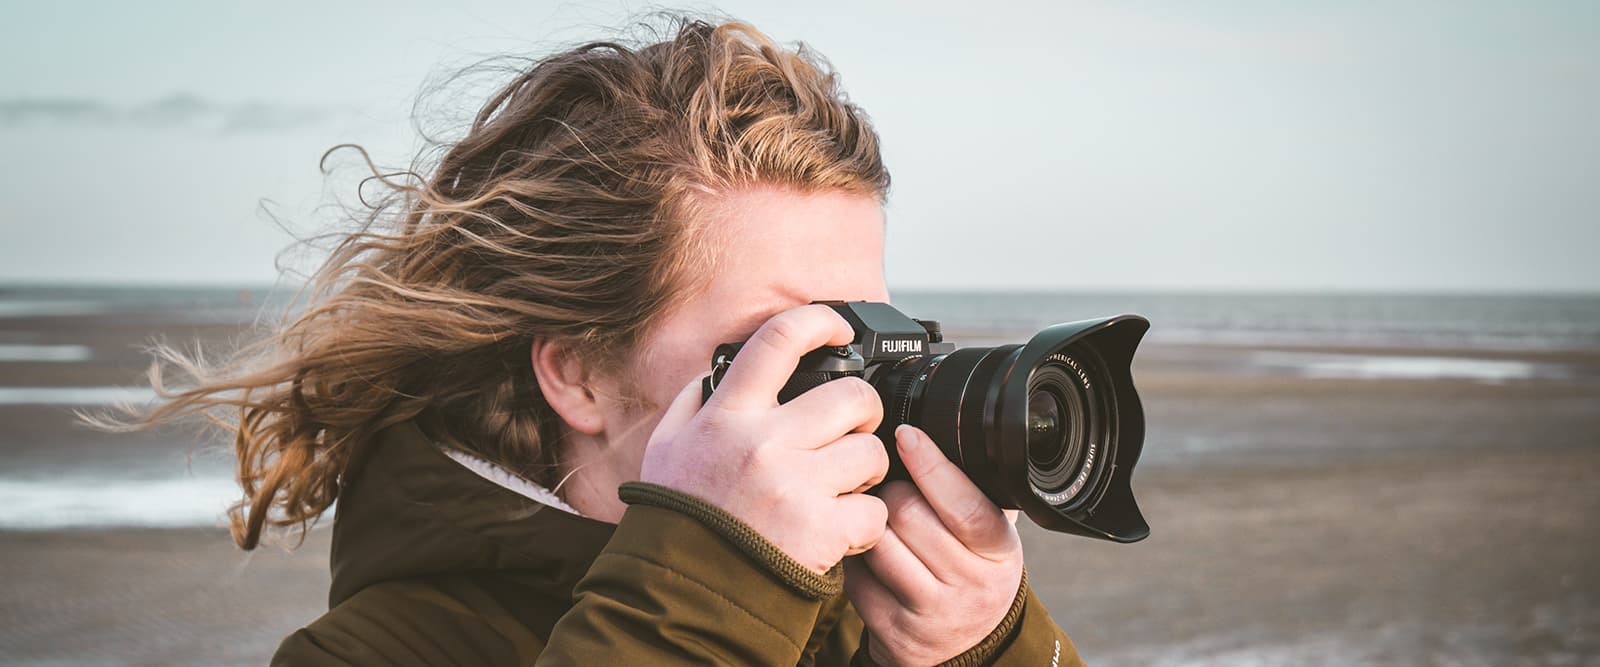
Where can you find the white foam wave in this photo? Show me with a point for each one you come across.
(75, 395)
(90, 502)
(16, 352)
(52, 307)
(1380, 367)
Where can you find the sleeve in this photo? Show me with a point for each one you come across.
(836, 637)
(684, 582)
(1026, 636)
(408, 623)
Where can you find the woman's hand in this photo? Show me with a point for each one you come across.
(946, 571)
(792, 472)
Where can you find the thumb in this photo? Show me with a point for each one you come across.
(682, 409)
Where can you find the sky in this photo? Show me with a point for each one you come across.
(1265, 146)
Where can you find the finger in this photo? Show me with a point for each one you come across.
(832, 409)
(852, 464)
(965, 510)
(683, 408)
(922, 531)
(768, 359)
(864, 520)
(867, 593)
(1011, 515)
(898, 569)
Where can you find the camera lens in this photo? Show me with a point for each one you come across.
(1047, 443)
(1053, 427)
(1064, 426)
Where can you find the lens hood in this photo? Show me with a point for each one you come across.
(1105, 509)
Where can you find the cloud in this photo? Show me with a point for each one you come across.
(173, 111)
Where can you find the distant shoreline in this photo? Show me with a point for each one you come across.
(1459, 321)
(16, 286)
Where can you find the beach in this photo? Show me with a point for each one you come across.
(1453, 526)
(1309, 504)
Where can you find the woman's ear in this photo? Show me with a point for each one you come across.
(564, 383)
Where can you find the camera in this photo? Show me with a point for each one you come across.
(1052, 427)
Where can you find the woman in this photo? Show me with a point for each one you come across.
(498, 379)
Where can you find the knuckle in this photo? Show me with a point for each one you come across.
(879, 454)
(745, 460)
(876, 512)
(753, 459)
(768, 460)
(976, 518)
(929, 466)
(711, 418)
(860, 390)
(823, 313)
(988, 536)
(864, 397)
(782, 332)
(869, 524)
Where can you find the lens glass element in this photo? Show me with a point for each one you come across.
(1067, 419)
(1046, 432)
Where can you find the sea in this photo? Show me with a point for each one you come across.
(67, 348)
(1514, 320)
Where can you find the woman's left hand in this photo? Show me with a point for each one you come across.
(946, 571)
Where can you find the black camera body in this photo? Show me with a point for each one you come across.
(1052, 427)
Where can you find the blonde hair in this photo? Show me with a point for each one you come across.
(566, 213)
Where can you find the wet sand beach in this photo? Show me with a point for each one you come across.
(1309, 505)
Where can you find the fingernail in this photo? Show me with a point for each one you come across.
(906, 437)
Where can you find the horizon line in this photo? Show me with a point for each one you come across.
(914, 289)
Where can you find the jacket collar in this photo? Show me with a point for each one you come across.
(412, 511)
(508, 480)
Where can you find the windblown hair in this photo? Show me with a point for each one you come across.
(567, 212)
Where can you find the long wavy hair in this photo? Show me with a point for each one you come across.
(567, 212)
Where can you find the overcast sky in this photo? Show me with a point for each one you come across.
(1065, 145)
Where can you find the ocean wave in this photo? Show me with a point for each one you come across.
(48, 504)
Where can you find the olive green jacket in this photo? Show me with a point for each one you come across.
(435, 565)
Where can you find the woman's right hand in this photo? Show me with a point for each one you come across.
(793, 472)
